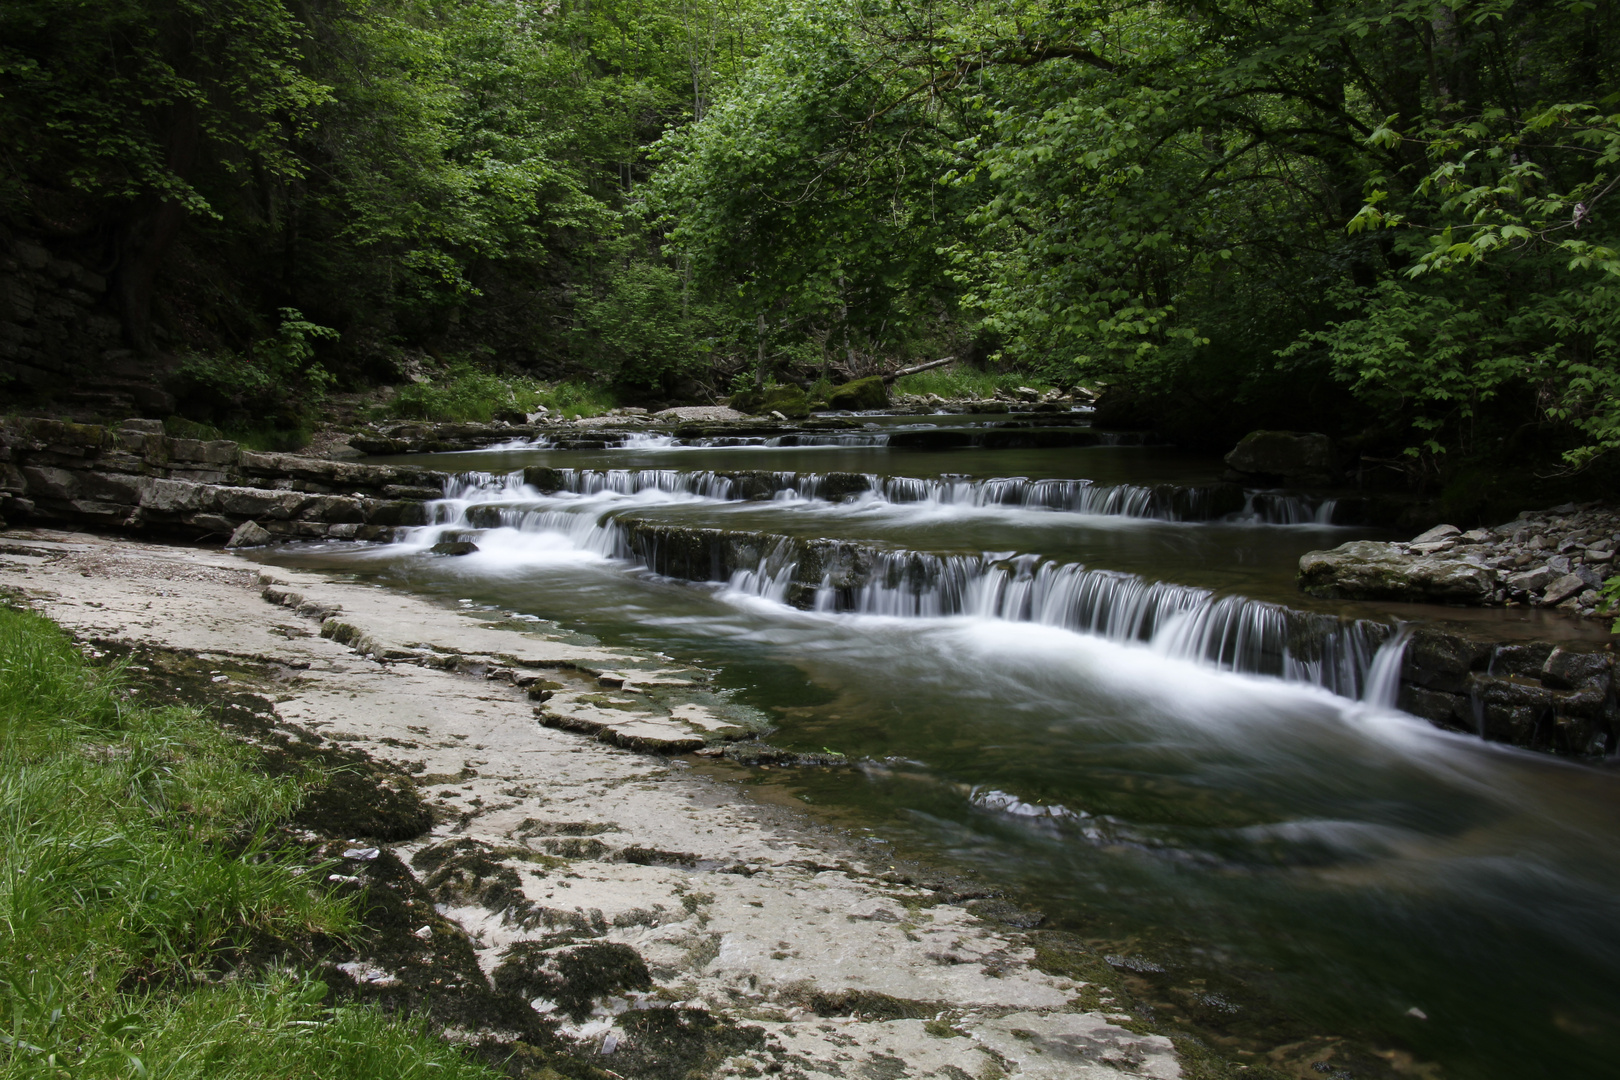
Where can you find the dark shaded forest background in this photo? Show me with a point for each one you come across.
(1392, 222)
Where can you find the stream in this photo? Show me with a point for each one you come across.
(1084, 672)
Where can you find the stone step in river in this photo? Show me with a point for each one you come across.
(1085, 672)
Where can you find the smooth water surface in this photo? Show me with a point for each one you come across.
(1271, 860)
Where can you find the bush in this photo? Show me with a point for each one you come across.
(787, 399)
(276, 386)
(643, 331)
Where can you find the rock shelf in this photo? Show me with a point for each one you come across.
(136, 478)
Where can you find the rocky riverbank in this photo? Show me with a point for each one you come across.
(133, 477)
(1557, 558)
(744, 942)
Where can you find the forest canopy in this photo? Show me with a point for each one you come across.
(1392, 221)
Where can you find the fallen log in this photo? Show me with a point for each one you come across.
(893, 375)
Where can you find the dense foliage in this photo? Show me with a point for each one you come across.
(1387, 220)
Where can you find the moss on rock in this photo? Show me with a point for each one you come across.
(862, 394)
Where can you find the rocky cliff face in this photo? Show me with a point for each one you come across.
(1541, 695)
(60, 338)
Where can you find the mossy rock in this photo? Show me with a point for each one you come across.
(862, 394)
(788, 400)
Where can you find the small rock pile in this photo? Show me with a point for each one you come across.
(1548, 558)
(1557, 558)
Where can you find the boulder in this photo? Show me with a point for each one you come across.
(1288, 456)
(1530, 581)
(1436, 534)
(788, 400)
(454, 547)
(1373, 570)
(248, 534)
(860, 395)
(1564, 588)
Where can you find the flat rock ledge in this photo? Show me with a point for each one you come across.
(816, 956)
(135, 478)
(1555, 558)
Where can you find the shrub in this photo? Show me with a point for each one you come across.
(275, 386)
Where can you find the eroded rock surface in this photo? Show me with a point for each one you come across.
(136, 478)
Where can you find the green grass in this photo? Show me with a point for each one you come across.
(965, 382)
(468, 394)
(262, 438)
(135, 871)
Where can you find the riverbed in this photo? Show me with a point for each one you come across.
(1079, 670)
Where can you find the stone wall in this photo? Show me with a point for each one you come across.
(136, 478)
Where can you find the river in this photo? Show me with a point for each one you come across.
(1084, 672)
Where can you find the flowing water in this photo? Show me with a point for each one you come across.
(1083, 671)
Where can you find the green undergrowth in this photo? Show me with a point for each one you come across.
(465, 393)
(966, 382)
(137, 876)
(260, 438)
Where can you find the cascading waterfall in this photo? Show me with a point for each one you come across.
(1162, 502)
(1231, 632)
(1281, 508)
(1383, 683)
(1359, 659)
(639, 441)
(772, 577)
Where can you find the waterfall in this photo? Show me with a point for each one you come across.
(1383, 685)
(1161, 502)
(1349, 658)
(1231, 632)
(772, 576)
(1282, 508)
